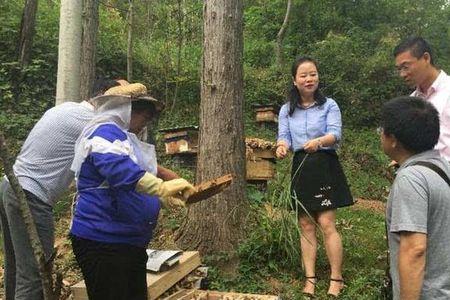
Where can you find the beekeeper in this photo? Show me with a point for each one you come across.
(119, 195)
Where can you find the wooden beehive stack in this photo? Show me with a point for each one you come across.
(260, 156)
(266, 113)
(181, 140)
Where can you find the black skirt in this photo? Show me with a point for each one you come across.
(318, 182)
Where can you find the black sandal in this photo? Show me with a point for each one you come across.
(340, 291)
(313, 281)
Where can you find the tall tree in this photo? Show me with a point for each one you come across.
(215, 225)
(69, 49)
(130, 42)
(27, 31)
(88, 47)
(280, 36)
(180, 36)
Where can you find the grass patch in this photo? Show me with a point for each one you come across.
(365, 164)
(263, 270)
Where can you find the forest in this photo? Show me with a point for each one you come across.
(353, 42)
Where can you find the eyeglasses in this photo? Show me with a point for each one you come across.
(403, 68)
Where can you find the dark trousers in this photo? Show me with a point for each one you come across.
(111, 271)
(22, 278)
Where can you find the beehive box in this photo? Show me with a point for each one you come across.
(215, 295)
(260, 157)
(266, 113)
(181, 140)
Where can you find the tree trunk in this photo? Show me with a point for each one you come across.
(179, 48)
(88, 47)
(69, 52)
(215, 225)
(27, 31)
(130, 43)
(45, 267)
(280, 37)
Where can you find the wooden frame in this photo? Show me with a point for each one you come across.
(215, 295)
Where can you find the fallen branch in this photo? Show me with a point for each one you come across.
(45, 267)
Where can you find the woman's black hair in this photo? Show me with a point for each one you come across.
(294, 96)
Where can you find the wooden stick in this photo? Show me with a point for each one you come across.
(45, 268)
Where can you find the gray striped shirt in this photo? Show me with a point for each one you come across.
(43, 165)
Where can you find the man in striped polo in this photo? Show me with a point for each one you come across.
(43, 171)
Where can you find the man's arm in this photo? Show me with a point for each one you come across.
(411, 264)
(166, 174)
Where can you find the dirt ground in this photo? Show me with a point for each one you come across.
(373, 205)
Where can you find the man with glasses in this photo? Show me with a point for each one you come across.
(416, 66)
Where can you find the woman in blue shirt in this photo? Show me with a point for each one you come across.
(310, 125)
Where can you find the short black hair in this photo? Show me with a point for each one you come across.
(101, 85)
(142, 105)
(417, 45)
(412, 121)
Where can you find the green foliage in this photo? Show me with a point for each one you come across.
(353, 42)
(23, 100)
(365, 164)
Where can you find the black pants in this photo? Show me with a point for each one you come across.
(111, 271)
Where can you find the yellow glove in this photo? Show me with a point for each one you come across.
(180, 188)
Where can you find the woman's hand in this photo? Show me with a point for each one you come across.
(312, 146)
(282, 150)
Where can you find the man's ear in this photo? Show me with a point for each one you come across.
(394, 142)
(426, 56)
(391, 139)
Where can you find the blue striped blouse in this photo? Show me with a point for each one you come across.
(309, 123)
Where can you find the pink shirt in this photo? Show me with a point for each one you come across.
(439, 95)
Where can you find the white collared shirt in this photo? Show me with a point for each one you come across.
(438, 94)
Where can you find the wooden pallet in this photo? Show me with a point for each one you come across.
(157, 283)
(215, 295)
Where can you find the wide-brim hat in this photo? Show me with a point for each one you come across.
(131, 92)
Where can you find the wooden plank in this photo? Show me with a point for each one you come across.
(158, 283)
(266, 108)
(210, 188)
(79, 291)
(262, 153)
(266, 116)
(180, 294)
(175, 129)
(260, 169)
(161, 282)
(171, 135)
(216, 295)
